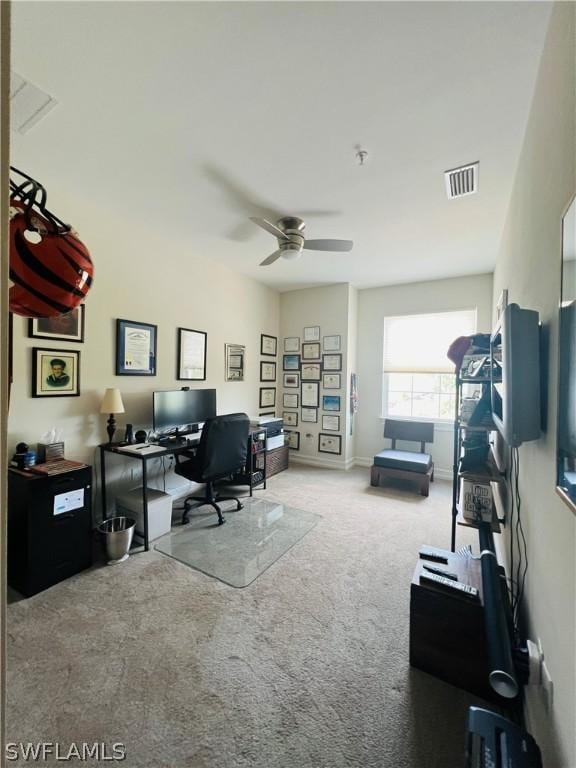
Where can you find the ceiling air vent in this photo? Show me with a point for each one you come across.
(461, 181)
(28, 104)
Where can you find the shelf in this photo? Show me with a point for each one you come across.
(465, 523)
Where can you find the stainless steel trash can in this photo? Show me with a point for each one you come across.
(118, 533)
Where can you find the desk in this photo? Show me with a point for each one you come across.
(144, 458)
(254, 474)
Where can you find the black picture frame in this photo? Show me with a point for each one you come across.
(290, 418)
(327, 398)
(308, 409)
(310, 386)
(326, 416)
(291, 362)
(286, 380)
(139, 368)
(187, 337)
(268, 342)
(55, 372)
(332, 439)
(289, 433)
(267, 405)
(290, 403)
(330, 369)
(325, 378)
(308, 368)
(268, 413)
(67, 327)
(311, 351)
(263, 363)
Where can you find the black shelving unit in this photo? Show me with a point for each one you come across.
(487, 474)
(254, 473)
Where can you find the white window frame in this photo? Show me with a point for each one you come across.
(443, 424)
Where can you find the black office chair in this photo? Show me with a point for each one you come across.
(221, 453)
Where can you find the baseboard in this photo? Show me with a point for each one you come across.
(317, 461)
(441, 474)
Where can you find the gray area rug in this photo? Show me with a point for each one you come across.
(245, 546)
(305, 668)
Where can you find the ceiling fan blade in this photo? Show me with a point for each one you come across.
(268, 227)
(328, 245)
(271, 259)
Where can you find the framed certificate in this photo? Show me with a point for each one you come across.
(331, 343)
(311, 351)
(310, 394)
(292, 344)
(309, 414)
(329, 444)
(191, 355)
(331, 423)
(310, 371)
(312, 333)
(135, 348)
(331, 381)
(332, 362)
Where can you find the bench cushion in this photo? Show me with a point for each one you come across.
(406, 460)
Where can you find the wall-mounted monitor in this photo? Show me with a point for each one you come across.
(515, 385)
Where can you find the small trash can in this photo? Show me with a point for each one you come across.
(118, 533)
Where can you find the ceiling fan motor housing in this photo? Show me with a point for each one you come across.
(293, 228)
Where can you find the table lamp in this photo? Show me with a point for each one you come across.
(111, 404)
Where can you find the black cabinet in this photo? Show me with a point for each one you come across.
(49, 528)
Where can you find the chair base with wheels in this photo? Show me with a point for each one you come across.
(210, 498)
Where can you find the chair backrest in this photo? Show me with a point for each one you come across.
(418, 431)
(223, 445)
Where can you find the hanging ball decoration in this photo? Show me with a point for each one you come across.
(49, 265)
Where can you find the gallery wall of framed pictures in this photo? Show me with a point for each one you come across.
(313, 399)
(268, 373)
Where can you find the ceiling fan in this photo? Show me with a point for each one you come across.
(289, 231)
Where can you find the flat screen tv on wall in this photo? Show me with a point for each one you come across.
(515, 385)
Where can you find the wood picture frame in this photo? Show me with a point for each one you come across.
(192, 349)
(292, 439)
(135, 348)
(55, 372)
(67, 327)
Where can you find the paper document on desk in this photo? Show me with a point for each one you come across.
(134, 450)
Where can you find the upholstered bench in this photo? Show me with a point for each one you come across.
(393, 464)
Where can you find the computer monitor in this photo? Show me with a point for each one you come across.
(181, 409)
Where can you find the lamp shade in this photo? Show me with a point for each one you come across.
(112, 401)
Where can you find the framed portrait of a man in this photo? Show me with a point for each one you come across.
(68, 327)
(55, 372)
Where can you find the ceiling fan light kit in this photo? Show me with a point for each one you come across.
(289, 231)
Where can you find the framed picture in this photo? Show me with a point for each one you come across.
(309, 414)
(312, 333)
(292, 344)
(329, 444)
(331, 343)
(268, 413)
(311, 351)
(331, 403)
(268, 345)
(291, 362)
(332, 362)
(267, 371)
(267, 397)
(55, 372)
(331, 381)
(68, 327)
(290, 400)
(331, 423)
(234, 359)
(291, 380)
(290, 418)
(292, 439)
(310, 394)
(191, 355)
(135, 348)
(310, 372)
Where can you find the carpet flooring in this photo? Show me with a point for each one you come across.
(305, 668)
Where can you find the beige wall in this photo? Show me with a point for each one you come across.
(148, 278)
(374, 304)
(528, 266)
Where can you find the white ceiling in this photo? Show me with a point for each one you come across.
(170, 113)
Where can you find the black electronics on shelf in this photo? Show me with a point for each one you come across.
(254, 473)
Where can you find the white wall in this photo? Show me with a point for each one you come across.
(148, 277)
(528, 265)
(374, 304)
(328, 307)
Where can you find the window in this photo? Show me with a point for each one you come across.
(418, 378)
